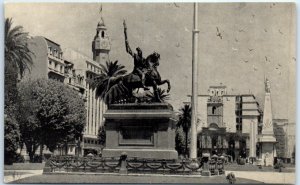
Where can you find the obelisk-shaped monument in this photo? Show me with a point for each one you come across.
(267, 138)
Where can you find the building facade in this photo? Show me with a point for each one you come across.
(228, 124)
(75, 70)
(285, 136)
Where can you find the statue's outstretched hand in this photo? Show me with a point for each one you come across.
(124, 23)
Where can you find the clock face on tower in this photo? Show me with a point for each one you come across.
(104, 44)
(97, 44)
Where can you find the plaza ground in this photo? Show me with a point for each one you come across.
(116, 178)
(245, 174)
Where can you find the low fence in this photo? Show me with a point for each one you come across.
(122, 164)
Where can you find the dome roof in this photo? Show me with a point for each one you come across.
(101, 23)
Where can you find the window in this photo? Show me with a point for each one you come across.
(102, 34)
(213, 110)
(61, 68)
(239, 127)
(70, 80)
(55, 66)
(50, 62)
(55, 52)
(49, 50)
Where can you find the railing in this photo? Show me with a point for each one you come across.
(70, 164)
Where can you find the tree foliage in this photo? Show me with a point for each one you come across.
(16, 47)
(11, 136)
(185, 122)
(102, 135)
(162, 93)
(179, 141)
(18, 58)
(109, 70)
(50, 113)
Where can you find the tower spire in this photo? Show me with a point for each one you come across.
(101, 43)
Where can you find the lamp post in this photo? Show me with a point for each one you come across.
(193, 146)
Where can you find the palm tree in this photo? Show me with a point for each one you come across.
(185, 122)
(17, 52)
(110, 70)
(163, 95)
(18, 57)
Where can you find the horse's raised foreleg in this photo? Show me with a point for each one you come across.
(155, 91)
(163, 82)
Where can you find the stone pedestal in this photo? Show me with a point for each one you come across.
(205, 168)
(140, 130)
(268, 151)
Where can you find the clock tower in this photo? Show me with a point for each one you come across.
(101, 44)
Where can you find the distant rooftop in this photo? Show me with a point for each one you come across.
(53, 44)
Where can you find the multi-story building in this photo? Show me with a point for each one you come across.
(48, 59)
(88, 69)
(227, 123)
(75, 70)
(285, 136)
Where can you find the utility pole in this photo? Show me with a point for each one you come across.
(193, 146)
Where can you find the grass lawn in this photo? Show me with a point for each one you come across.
(25, 166)
(106, 178)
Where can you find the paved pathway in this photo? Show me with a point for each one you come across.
(12, 175)
(267, 177)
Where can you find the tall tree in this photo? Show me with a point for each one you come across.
(179, 141)
(11, 137)
(18, 58)
(185, 122)
(109, 70)
(50, 113)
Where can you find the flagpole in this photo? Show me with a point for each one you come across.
(193, 146)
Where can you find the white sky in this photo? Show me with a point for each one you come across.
(250, 32)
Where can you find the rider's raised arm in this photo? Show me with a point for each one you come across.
(128, 49)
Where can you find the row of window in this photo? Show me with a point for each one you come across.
(239, 127)
(56, 66)
(55, 53)
(93, 112)
(93, 68)
(91, 141)
(77, 80)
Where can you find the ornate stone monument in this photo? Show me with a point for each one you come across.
(267, 139)
(141, 129)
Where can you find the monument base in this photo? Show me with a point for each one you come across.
(268, 151)
(142, 153)
(141, 130)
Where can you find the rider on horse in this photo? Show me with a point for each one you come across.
(141, 66)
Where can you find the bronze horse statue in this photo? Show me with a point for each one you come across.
(121, 87)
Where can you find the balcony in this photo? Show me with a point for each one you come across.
(50, 69)
(55, 58)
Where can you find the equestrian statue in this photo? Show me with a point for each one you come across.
(144, 75)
